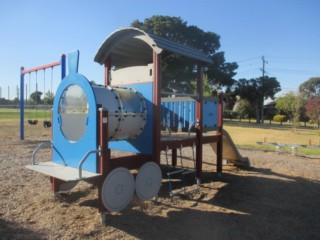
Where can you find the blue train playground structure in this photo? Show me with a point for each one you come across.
(127, 113)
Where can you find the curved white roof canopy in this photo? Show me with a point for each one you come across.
(134, 47)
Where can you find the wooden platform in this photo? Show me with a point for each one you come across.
(64, 173)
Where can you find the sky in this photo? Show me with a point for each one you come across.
(36, 32)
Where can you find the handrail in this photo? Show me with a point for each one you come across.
(168, 128)
(64, 162)
(180, 94)
(85, 158)
(193, 123)
(42, 145)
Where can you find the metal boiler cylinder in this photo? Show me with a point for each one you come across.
(127, 111)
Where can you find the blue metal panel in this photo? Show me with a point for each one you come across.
(178, 113)
(73, 61)
(210, 114)
(143, 143)
(71, 152)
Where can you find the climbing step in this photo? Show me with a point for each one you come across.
(182, 172)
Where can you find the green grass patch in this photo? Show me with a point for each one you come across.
(309, 151)
(287, 149)
(14, 114)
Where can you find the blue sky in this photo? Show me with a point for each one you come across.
(286, 32)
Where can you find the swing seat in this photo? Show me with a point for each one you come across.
(47, 124)
(32, 122)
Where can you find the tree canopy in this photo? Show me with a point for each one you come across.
(293, 105)
(286, 103)
(311, 88)
(48, 98)
(257, 90)
(313, 110)
(180, 69)
(36, 97)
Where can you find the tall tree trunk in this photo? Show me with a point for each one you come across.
(257, 113)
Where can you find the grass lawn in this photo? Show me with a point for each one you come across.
(250, 134)
(14, 114)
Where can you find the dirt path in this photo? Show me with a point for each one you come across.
(277, 198)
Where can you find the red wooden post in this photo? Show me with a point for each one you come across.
(107, 69)
(220, 132)
(103, 142)
(199, 118)
(55, 184)
(174, 157)
(156, 107)
(104, 158)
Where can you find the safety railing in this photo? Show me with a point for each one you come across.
(191, 125)
(167, 128)
(35, 152)
(98, 151)
(49, 144)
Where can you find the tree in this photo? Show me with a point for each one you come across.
(181, 69)
(300, 110)
(313, 110)
(48, 98)
(310, 88)
(4, 101)
(208, 88)
(256, 91)
(293, 105)
(36, 97)
(286, 104)
(243, 108)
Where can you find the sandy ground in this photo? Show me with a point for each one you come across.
(277, 198)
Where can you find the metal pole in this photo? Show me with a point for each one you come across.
(21, 104)
(63, 66)
(263, 75)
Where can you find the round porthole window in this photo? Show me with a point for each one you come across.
(73, 112)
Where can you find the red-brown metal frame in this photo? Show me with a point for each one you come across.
(156, 107)
(220, 134)
(199, 127)
(42, 67)
(107, 69)
(104, 158)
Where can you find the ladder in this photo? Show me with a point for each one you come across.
(182, 172)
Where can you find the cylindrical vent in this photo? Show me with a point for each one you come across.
(127, 111)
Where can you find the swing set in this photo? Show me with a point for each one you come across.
(23, 72)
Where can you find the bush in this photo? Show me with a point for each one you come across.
(280, 118)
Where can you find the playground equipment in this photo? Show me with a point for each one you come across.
(126, 113)
(23, 72)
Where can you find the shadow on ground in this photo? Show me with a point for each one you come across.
(262, 205)
(10, 230)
